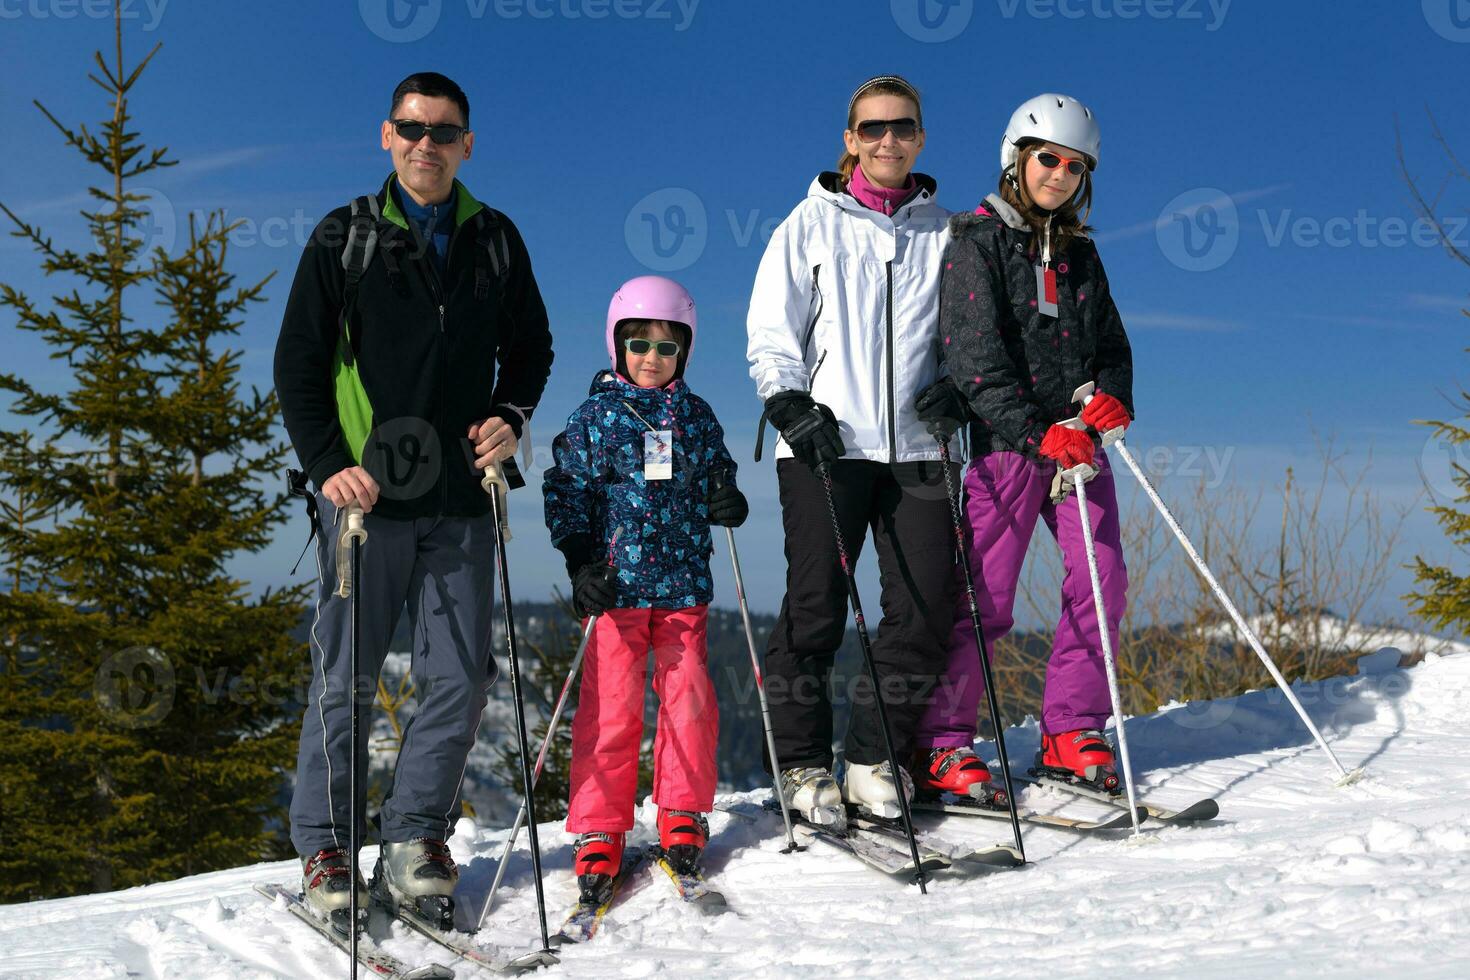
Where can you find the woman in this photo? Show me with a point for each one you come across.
(843, 342)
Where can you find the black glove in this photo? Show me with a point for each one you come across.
(809, 427)
(727, 505)
(942, 409)
(594, 588)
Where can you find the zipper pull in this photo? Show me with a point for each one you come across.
(441, 317)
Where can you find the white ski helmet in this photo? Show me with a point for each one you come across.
(1051, 118)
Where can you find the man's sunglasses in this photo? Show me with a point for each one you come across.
(441, 133)
(872, 130)
(1051, 161)
(641, 346)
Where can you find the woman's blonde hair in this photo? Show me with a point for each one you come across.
(1068, 221)
(878, 85)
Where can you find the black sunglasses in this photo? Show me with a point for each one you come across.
(441, 133)
(641, 346)
(1051, 161)
(872, 130)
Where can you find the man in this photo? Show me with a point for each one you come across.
(397, 390)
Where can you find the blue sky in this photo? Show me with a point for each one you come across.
(1292, 295)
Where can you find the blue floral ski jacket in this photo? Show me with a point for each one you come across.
(597, 486)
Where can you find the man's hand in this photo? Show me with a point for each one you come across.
(351, 485)
(494, 441)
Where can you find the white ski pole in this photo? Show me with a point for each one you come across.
(1114, 437)
(1078, 477)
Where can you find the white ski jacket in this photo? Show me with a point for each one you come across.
(846, 306)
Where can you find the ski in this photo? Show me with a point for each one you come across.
(373, 959)
(692, 888)
(1206, 809)
(876, 850)
(976, 809)
(488, 958)
(583, 920)
(995, 855)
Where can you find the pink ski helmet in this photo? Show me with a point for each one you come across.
(650, 298)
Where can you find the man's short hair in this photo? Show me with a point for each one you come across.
(434, 85)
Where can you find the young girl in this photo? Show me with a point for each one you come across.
(1027, 317)
(844, 347)
(631, 487)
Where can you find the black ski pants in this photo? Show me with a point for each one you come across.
(906, 507)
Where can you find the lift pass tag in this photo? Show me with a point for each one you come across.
(658, 455)
(1046, 290)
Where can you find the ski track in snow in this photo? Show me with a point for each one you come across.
(1296, 877)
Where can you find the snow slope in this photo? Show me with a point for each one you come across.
(1296, 877)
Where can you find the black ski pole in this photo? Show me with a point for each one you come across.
(355, 534)
(824, 471)
(985, 672)
(494, 484)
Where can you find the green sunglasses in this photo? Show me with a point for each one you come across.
(641, 346)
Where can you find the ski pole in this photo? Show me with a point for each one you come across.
(354, 536)
(1078, 477)
(962, 551)
(824, 471)
(1114, 437)
(717, 481)
(494, 484)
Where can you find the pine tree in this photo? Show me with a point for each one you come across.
(147, 703)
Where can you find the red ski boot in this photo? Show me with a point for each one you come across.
(1083, 756)
(597, 856)
(682, 835)
(953, 769)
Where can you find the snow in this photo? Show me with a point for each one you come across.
(1296, 877)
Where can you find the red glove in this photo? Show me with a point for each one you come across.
(1104, 412)
(1070, 447)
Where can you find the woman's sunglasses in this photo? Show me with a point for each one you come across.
(641, 346)
(1051, 161)
(872, 130)
(441, 133)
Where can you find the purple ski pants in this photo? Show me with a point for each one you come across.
(1004, 494)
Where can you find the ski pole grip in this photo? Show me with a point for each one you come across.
(494, 478)
(717, 478)
(355, 531)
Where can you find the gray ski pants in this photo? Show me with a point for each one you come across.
(443, 568)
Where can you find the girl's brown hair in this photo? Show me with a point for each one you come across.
(1069, 221)
(880, 85)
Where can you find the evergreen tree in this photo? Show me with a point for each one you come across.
(147, 703)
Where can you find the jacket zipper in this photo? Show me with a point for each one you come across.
(437, 285)
(811, 328)
(892, 398)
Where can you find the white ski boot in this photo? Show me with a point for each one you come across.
(813, 793)
(871, 789)
(324, 884)
(417, 877)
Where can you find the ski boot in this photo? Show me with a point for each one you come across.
(682, 835)
(871, 789)
(596, 858)
(324, 884)
(1081, 757)
(957, 770)
(417, 878)
(813, 794)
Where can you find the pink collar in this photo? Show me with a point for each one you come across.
(880, 199)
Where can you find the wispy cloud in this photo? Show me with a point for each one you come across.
(186, 171)
(1144, 227)
(1430, 301)
(1180, 321)
(1359, 320)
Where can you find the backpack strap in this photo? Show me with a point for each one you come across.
(492, 251)
(362, 241)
